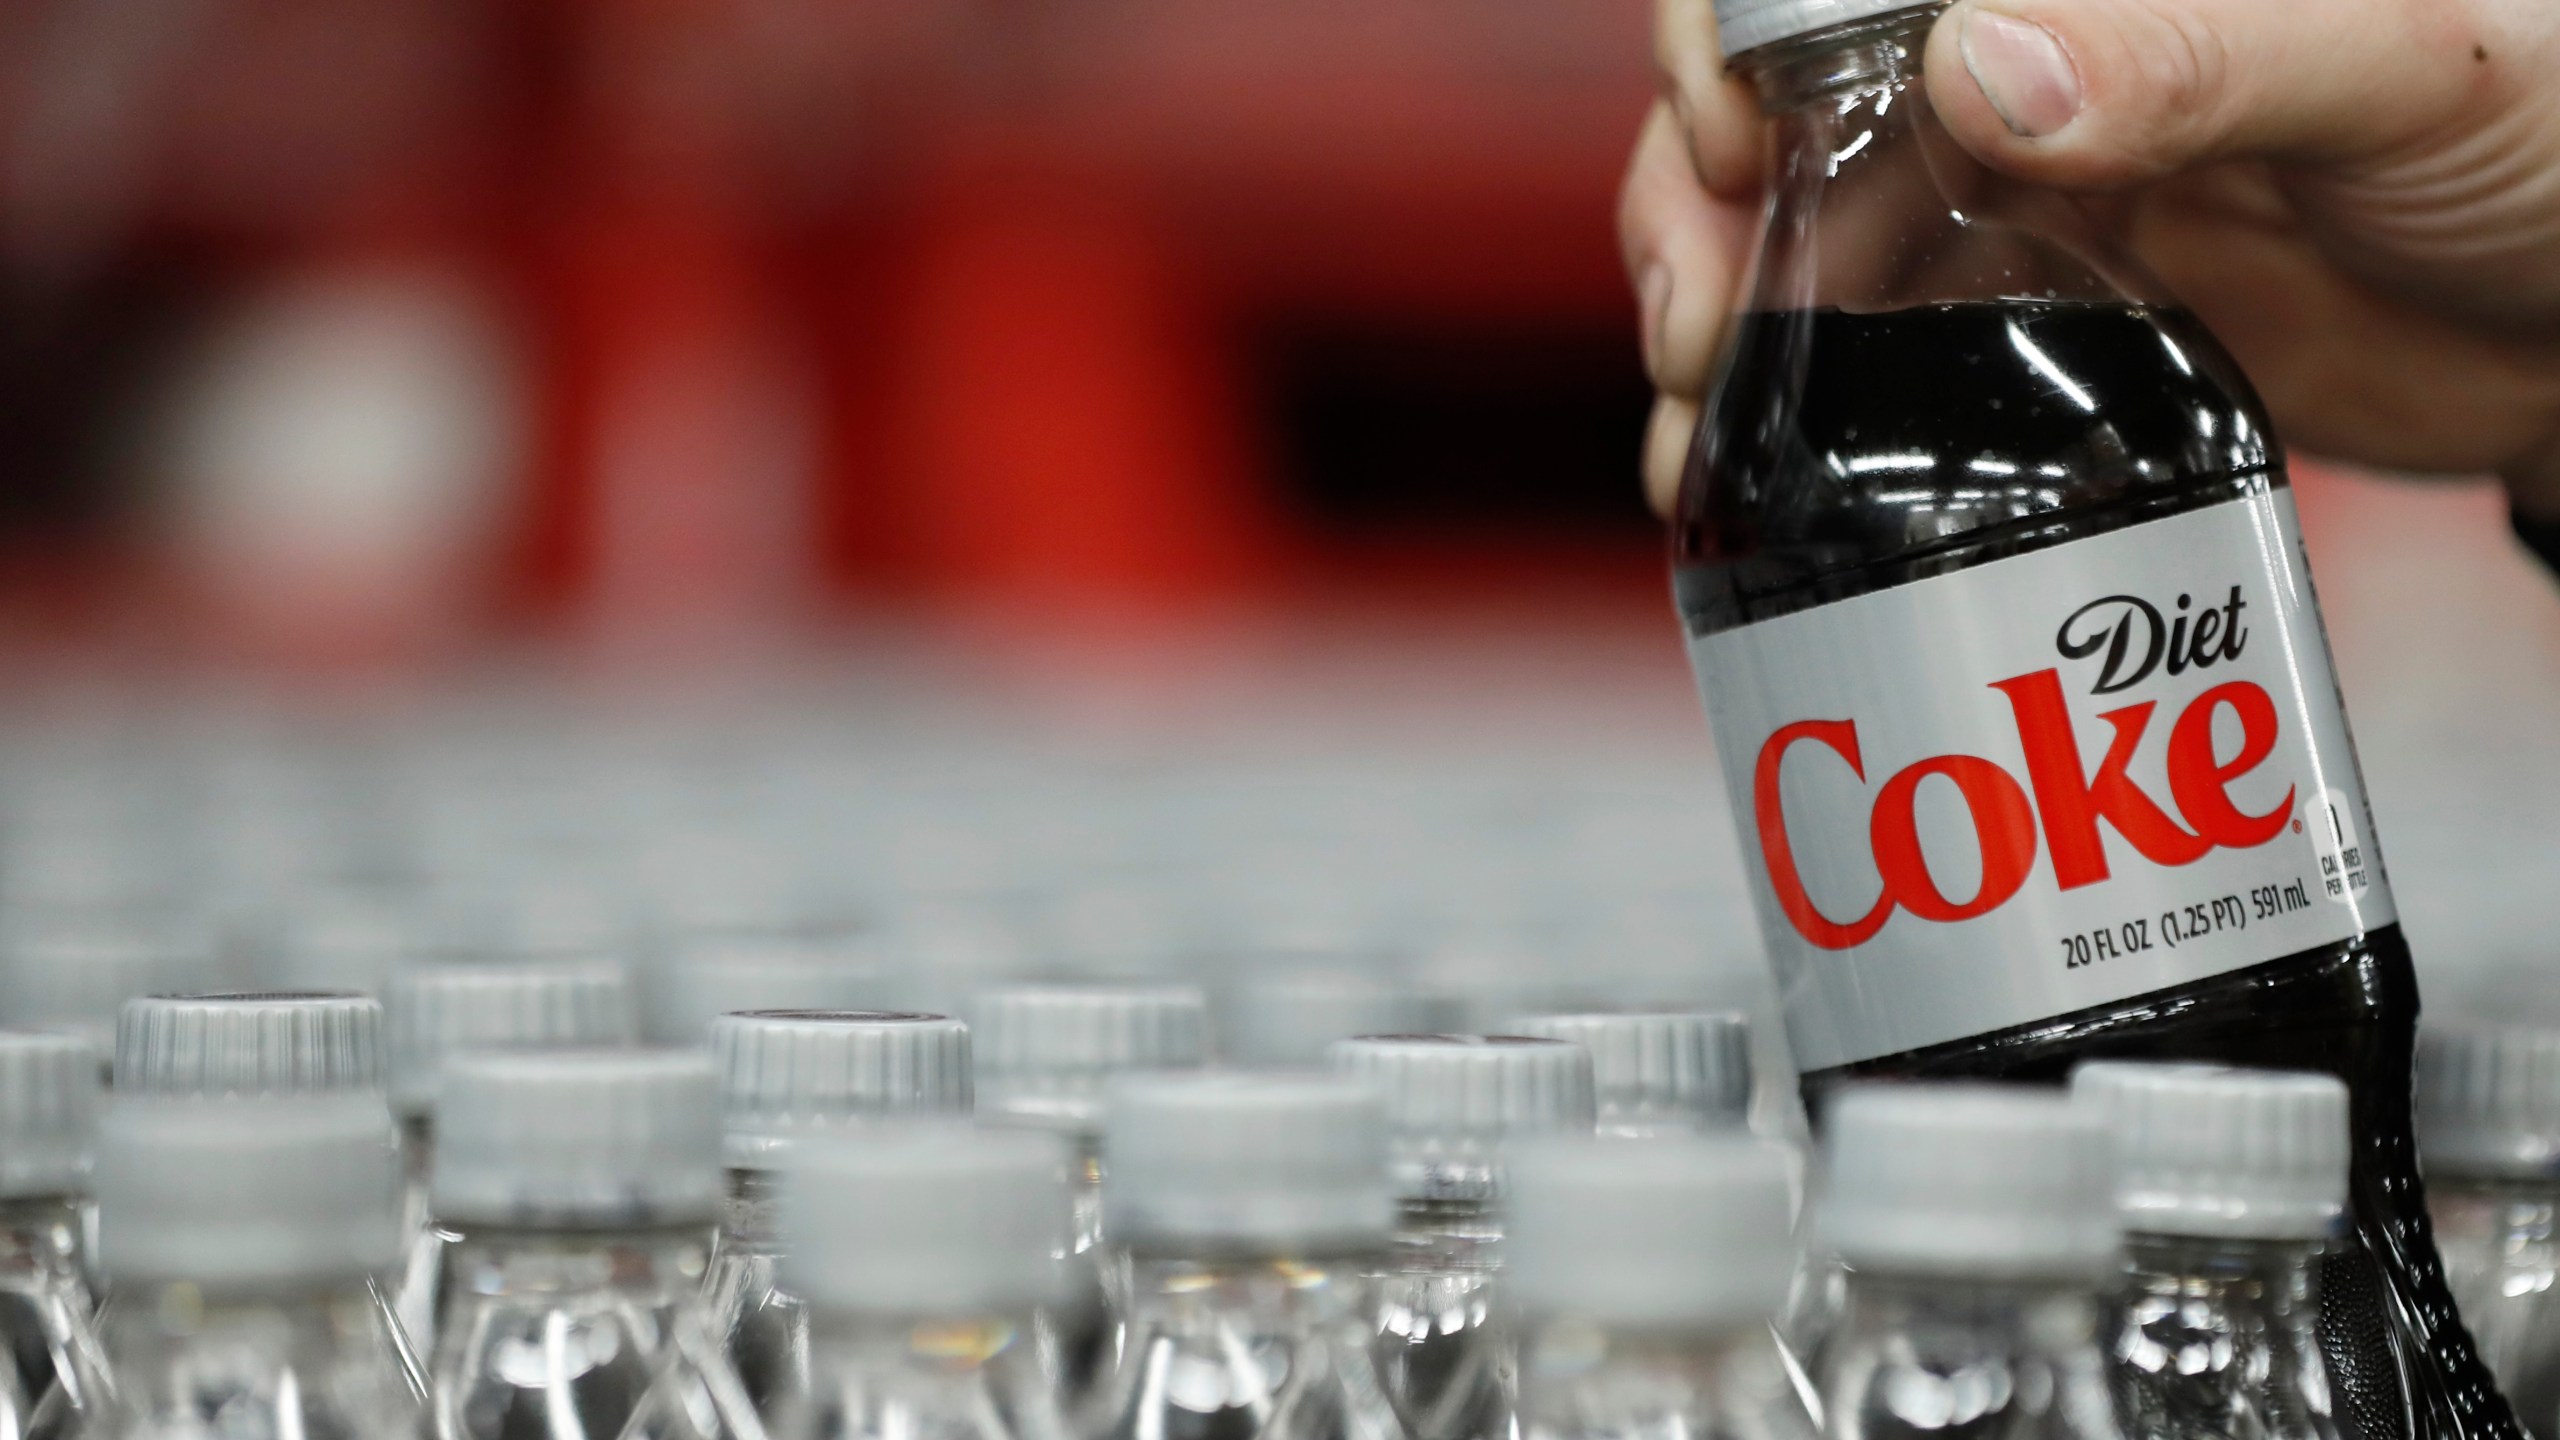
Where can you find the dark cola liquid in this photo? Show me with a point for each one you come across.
(1846, 453)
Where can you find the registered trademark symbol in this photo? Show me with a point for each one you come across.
(2297, 827)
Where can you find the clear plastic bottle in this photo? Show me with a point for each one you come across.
(437, 1010)
(924, 1251)
(1453, 1103)
(1246, 1213)
(1978, 1224)
(1642, 1282)
(580, 1189)
(56, 1373)
(241, 1238)
(2489, 1132)
(790, 1079)
(1044, 1055)
(2231, 1184)
(1660, 1072)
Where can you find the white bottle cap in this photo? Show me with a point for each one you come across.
(74, 969)
(1269, 1162)
(2489, 1101)
(1682, 1230)
(2215, 1151)
(1981, 1181)
(48, 1112)
(251, 1042)
(792, 1076)
(1045, 1051)
(1290, 1014)
(243, 1193)
(1453, 1100)
(713, 975)
(926, 1220)
(598, 1138)
(1749, 24)
(1661, 1069)
(436, 1010)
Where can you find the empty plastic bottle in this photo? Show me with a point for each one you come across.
(1246, 1215)
(1044, 1055)
(2489, 1133)
(2231, 1185)
(579, 1189)
(1660, 1072)
(1978, 1223)
(1453, 1103)
(437, 1010)
(249, 1042)
(241, 1238)
(790, 1079)
(924, 1252)
(48, 1121)
(1642, 1282)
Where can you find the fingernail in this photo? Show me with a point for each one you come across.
(2023, 71)
(1653, 301)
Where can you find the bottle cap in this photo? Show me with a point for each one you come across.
(2489, 1100)
(713, 975)
(1654, 1070)
(1289, 1014)
(1681, 1230)
(1980, 1181)
(250, 1042)
(74, 969)
(436, 1010)
(48, 1112)
(585, 1138)
(243, 1193)
(1749, 24)
(790, 1076)
(1045, 1051)
(2215, 1151)
(1453, 1100)
(1273, 1162)
(921, 1219)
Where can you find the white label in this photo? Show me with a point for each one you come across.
(2045, 783)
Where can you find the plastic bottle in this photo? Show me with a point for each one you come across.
(437, 1010)
(1643, 1280)
(2231, 1185)
(240, 1238)
(1660, 1072)
(1996, 595)
(1453, 1103)
(1246, 1213)
(1978, 1224)
(1044, 1055)
(249, 1042)
(580, 1189)
(924, 1251)
(56, 1373)
(790, 1079)
(2489, 1127)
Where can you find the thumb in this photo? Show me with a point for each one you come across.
(2105, 93)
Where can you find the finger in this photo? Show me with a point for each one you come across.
(2100, 93)
(1684, 253)
(1667, 434)
(1719, 114)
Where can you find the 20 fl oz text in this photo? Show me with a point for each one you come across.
(2179, 924)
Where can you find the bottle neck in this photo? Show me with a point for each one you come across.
(1449, 1235)
(1958, 1317)
(640, 1262)
(1583, 1377)
(1862, 56)
(2262, 1276)
(942, 1346)
(751, 1216)
(1284, 1291)
(2225, 1328)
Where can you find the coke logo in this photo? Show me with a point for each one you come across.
(2060, 803)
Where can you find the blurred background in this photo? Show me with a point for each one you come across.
(1133, 473)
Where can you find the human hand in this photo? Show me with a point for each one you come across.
(2361, 198)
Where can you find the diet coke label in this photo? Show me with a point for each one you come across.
(2045, 783)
